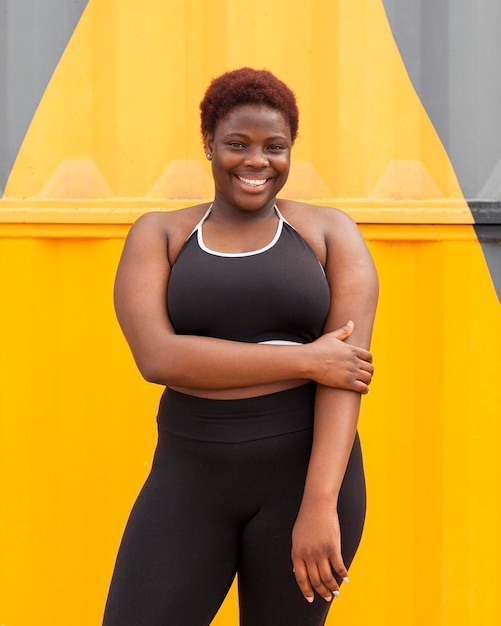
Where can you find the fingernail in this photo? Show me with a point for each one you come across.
(310, 600)
(327, 598)
(335, 594)
(346, 579)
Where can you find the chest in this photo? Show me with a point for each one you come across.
(281, 291)
(236, 242)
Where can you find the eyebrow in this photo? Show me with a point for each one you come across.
(244, 136)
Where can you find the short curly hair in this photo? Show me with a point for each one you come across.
(247, 86)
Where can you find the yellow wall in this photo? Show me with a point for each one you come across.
(116, 134)
(78, 430)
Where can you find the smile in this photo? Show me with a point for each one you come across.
(253, 182)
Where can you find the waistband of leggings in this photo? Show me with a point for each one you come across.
(237, 420)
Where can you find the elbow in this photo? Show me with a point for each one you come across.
(152, 377)
(156, 362)
(152, 371)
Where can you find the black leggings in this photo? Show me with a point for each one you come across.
(212, 509)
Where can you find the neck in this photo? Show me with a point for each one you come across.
(223, 211)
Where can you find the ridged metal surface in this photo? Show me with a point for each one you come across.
(33, 36)
(452, 52)
(78, 429)
(116, 134)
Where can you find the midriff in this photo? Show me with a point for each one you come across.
(241, 392)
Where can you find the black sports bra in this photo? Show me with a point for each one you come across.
(277, 294)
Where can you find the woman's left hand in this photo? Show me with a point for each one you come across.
(316, 551)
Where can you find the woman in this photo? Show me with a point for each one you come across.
(242, 309)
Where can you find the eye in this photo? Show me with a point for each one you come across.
(276, 148)
(238, 145)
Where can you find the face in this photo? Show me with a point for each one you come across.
(250, 152)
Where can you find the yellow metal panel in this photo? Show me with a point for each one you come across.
(78, 432)
(64, 416)
(116, 134)
(120, 116)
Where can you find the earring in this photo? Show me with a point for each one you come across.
(209, 156)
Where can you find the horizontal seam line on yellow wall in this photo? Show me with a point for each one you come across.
(127, 210)
(371, 232)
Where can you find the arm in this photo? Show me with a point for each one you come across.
(316, 547)
(203, 362)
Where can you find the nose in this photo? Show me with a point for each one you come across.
(257, 158)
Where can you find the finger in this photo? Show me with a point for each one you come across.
(365, 372)
(302, 579)
(364, 376)
(364, 355)
(366, 366)
(328, 579)
(362, 388)
(358, 386)
(344, 332)
(355, 383)
(358, 380)
(338, 569)
(316, 579)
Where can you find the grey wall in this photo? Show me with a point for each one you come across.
(33, 36)
(452, 52)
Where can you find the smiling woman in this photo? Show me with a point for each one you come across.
(256, 323)
(250, 151)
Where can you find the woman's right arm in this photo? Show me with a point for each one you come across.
(204, 362)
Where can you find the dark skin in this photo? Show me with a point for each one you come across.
(250, 150)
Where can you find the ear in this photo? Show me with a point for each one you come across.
(208, 143)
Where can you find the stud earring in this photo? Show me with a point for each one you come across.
(209, 156)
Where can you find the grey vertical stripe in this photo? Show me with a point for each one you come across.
(33, 36)
(452, 52)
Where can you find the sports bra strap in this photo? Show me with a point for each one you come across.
(205, 248)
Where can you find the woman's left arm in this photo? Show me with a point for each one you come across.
(316, 540)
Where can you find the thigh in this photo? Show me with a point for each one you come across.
(352, 504)
(269, 595)
(178, 554)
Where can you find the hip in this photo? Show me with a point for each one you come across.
(237, 419)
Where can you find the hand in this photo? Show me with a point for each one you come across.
(340, 364)
(316, 552)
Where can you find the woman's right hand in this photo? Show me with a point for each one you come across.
(340, 364)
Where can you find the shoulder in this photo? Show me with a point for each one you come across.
(325, 228)
(169, 223)
(166, 229)
(323, 219)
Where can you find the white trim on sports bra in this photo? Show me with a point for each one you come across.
(281, 342)
(205, 248)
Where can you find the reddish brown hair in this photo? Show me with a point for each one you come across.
(247, 86)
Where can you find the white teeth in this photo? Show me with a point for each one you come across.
(252, 181)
